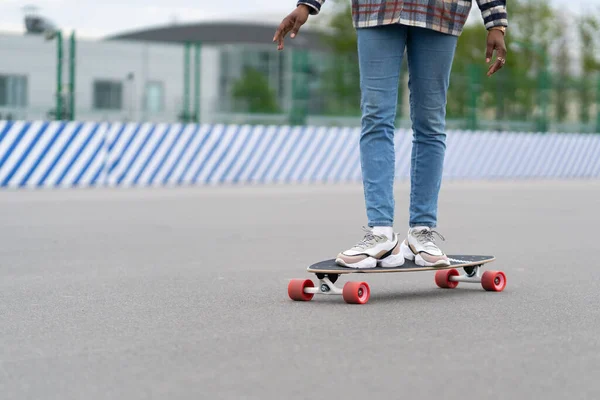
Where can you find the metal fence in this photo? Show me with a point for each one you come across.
(533, 101)
(258, 85)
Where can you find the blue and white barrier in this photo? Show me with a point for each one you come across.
(78, 154)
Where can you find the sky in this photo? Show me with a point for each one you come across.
(99, 18)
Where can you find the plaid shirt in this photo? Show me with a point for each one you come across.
(447, 16)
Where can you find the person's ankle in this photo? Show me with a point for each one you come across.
(387, 231)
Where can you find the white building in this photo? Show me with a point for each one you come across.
(139, 76)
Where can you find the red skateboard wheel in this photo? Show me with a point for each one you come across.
(356, 292)
(296, 289)
(442, 278)
(493, 281)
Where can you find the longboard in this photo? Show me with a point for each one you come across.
(460, 261)
(448, 277)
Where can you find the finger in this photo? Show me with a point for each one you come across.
(501, 51)
(279, 38)
(489, 51)
(279, 33)
(282, 30)
(296, 28)
(496, 66)
(501, 56)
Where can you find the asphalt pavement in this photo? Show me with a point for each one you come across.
(181, 293)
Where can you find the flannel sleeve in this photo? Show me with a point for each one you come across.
(314, 5)
(493, 12)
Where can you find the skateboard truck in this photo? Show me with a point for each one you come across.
(326, 285)
(493, 281)
(352, 292)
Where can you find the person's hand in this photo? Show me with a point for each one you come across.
(292, 23)
(495, 41)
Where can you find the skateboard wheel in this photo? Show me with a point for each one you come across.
(356, 292)
(296, 289)
(493, 281)
(442, 278)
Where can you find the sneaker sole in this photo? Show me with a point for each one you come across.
(406, 252)
(409, 255)
(367, 263)
(421, 262)
(392, 261)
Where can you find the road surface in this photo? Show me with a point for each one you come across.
(182, 294)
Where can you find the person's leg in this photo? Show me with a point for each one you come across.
(430, 55)
(380, 52)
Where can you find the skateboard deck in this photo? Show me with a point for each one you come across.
(447, 277)
(458, 261)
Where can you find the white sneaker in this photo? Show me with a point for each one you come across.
(420, 247)
(371, 251)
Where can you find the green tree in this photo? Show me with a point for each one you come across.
(589, 26)
(516, 93)
(465, 80)
(341, 78)
(253, 90)
(563, 65)
(532, 30)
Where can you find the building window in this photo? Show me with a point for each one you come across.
(154, 97)
(13, 91)
(108, 95)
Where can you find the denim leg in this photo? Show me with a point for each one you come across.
(430, 55)
(380, 52)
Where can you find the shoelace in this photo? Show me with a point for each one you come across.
(425, 236)
(366, 241)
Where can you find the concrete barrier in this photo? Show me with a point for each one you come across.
(87, 154)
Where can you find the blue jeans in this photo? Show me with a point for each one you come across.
(430, 55)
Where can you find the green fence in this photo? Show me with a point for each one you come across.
(510, 100)
(260, 85)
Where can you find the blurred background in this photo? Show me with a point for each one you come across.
(206, 63)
